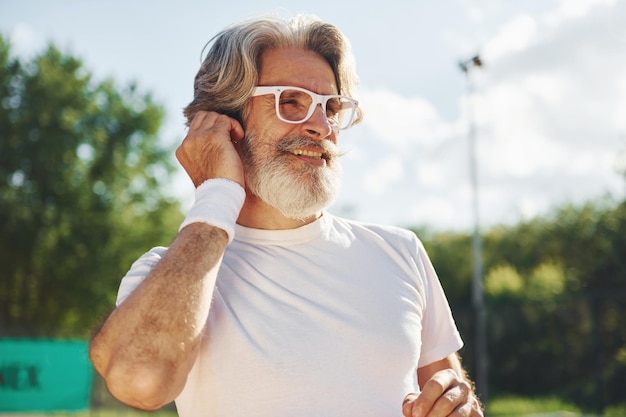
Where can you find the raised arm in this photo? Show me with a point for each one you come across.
(149, 343)
(147, 346)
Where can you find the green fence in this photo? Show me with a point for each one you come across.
(44, 375)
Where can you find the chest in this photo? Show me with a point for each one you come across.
(331, 309)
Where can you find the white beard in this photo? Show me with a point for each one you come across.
(298, 193)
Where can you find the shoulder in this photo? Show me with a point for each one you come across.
(394, 236)
(138, 272)
(151, 257)
(382, 230)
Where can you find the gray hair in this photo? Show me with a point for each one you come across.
(230, 70)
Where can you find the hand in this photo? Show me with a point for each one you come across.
(446, 393)
(208, 150)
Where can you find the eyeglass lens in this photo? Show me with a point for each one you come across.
(294, 106)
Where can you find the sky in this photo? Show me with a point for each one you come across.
(548, 105)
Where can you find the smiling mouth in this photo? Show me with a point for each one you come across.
(310, 154)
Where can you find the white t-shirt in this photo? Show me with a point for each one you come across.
(330, 319)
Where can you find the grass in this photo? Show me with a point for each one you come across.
(127, 413)
(497, 407)
(521, 406)
(616, 410)
(97, 412)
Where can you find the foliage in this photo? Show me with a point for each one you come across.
(503, 280)
(81, 175)
(555, 289)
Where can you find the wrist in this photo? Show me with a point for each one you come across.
(218, 202)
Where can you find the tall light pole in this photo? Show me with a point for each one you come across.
(478, 301)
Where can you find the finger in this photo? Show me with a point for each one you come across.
(407, 404)
(433, 389)
(471, 408)
(454, 399)
(476, 407)
(198, 120)
(220, 125)
(197, 123)
(208, 150)
(216, 127)
(232, 126)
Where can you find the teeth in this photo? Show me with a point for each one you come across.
(307, 153)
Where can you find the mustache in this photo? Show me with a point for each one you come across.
(325, 146)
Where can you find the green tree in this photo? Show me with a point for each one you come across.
(81, 192)
(566, 324)
(503, 280)
(555, 288)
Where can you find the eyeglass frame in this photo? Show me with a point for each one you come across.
(321, 99)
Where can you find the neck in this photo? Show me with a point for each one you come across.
(257, 214)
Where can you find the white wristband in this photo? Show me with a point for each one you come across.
(218, 203)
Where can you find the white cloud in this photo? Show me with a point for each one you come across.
(387, 171)
(571, 9)
(432, 173)
(618, 116)
(401, 121)
(549, 109)
(549, 87)
(513, 37)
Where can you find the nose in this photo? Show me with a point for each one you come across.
(318, 126)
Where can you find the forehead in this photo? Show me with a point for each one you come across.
(298, 68)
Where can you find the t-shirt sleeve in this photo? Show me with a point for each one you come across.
(138, 271)
(440, 336)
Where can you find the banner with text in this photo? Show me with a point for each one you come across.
(44, 375)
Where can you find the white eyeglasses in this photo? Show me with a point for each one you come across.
(296, 105)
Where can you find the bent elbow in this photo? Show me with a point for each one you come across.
(146, 386)
(141, 387)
